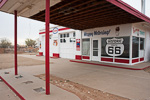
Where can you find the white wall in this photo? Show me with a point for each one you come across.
(147, 46)
(66, 50)
(146, 29)
(125, 30)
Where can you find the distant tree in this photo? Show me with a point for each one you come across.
(5, 43)
(30, 42)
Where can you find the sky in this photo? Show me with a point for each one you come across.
(28, 28)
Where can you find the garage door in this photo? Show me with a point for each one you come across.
(67, 45)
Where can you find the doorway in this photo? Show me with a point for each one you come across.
(95, 50)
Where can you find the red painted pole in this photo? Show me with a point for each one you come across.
(15, 42)
(47, 20)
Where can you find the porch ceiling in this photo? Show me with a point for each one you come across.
(85, 14)
(79, 14)
(25, 8)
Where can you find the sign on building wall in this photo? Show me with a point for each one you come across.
(55, 43)
(78, 44)
(138, 32)
(55, 30)
(103, 32)
(114, 47)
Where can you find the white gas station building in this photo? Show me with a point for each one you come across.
(111, 31)
(119, 44)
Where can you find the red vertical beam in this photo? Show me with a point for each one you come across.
(47, 73)
(15, 42)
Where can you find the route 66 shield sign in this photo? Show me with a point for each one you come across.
(114, 47)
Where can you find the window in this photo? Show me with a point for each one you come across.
(126, 44)
(104, 43)
(74, 34)
(141, 43)
(50, 37)
(64, 35)
(67, 34)
(86, 47)
(61, 40)
(61, 35)
(67, 37)
(72, 40)
(135, 47)
(95, 47)
(64, 40)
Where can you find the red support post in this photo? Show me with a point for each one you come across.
(47, 72)
(15, 42)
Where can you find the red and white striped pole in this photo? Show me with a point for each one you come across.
(47, 72)
(15, 42)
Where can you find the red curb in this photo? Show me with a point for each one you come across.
(39, 55)
(108, 65)
(21, 97)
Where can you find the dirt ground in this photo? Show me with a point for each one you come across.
(147, 69)
(83, 92)
(7, 61)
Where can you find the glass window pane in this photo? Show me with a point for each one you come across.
(86, 47)
(95, 53)
(67, 34)
(95, 44)
(64, 35)
(126, 43)
(61, 40)
(60, 35)
(103, 50)
(141, 43)
(135, 47)
(74, 34)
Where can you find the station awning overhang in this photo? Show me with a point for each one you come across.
(78, 14)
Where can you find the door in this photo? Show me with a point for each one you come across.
(142, 51)
(67, 46)
(95, 50)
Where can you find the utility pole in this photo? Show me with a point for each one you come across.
(143, 6)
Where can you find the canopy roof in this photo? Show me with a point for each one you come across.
(82, 14)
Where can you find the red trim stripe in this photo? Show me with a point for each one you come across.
(122, 61)
(2, 3)
(85, 57)
(78, 57)
(20, 96)
(107, 59)
(56, 55)
(142, 59)
(135, 60)
(62, 29)
(103, 65)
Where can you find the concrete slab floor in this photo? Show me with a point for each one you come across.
(27, 90)
(6, 93)
(126, 83)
